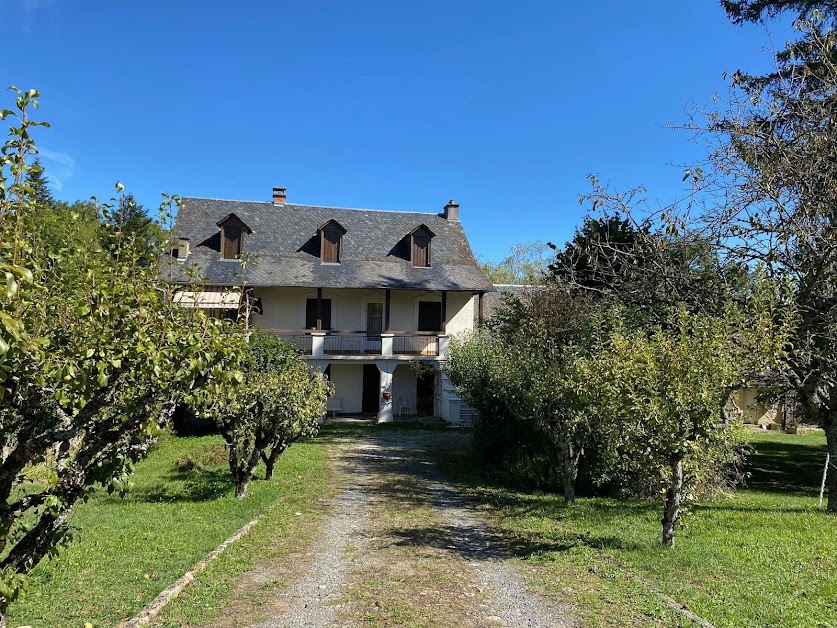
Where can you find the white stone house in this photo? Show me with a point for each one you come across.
(366, 295)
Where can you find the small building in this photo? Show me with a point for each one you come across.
(370, 297)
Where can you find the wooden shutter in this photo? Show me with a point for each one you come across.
(330, 247)
(421, 250)
(231, 246)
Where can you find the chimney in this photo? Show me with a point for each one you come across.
(182, 249)
(451, 211)
(279, 195)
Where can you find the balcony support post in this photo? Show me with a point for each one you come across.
(386, 345)
(386, 368)
(318, 344)
(444, 340)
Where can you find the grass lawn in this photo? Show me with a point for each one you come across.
(128, 550)
(762, 556)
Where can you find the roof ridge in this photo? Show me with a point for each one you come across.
(360, 209)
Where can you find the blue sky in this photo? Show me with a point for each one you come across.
(505, 107)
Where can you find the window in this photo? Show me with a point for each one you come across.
(429, 316)
(331, 242)
(233, 231)
(374, 319)
(311, 314)
(420, 246)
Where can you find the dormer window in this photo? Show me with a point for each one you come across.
(420, 246)
(233, 230)
(331, 242)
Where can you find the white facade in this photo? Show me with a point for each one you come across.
(348, 351)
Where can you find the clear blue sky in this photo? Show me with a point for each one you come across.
(504, 106)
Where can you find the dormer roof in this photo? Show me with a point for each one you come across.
(231, 217)
(422, 228)
(332, 224)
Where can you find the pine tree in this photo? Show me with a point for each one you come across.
(39, 183)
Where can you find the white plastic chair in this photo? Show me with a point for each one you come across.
(404, 403)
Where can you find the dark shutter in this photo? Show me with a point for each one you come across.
(430, 316)
(231, 247)
(421, 250)
(311, 314)
(330, 251)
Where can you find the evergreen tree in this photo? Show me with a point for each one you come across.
(38, 182)
(130, 225)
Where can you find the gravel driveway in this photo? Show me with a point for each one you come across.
(401, 547)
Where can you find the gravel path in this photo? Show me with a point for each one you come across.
(396, 508)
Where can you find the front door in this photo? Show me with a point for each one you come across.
(371, 389)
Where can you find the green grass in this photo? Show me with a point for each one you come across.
(762, 556)
(128, 550)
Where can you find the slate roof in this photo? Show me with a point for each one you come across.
(375, 250)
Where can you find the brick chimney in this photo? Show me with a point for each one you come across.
(451, 211)
(279, 195)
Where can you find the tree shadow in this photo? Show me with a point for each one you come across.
(198, 485)
(784, 466)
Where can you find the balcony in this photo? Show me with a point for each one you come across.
(396, 344)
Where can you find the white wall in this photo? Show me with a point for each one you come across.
(348, 384)
(403, 385)
(284, 308)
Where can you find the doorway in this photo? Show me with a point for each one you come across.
(425, 393)
(371, 389)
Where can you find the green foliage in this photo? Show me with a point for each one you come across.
(526, 379)
(128, 227)
(760, 10)
(772, 162)
(593, 260)
(38, 185)
(279, 400)
(525, 264)
(93, 359)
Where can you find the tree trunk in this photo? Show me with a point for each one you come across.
(242, 481)
(4, 604)
(831, 474)
(242, 472)
(270, 460)
(570, 456)
(674, 496)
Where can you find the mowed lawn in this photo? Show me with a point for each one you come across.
(180, 508)
(764, 555)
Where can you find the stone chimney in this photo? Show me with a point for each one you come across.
(451, 211)
(279, 195)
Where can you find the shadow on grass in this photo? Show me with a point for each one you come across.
(785, 466)
(199, 485)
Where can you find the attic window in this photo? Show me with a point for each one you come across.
(420, 246)
(233, 230)
(331, 242)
